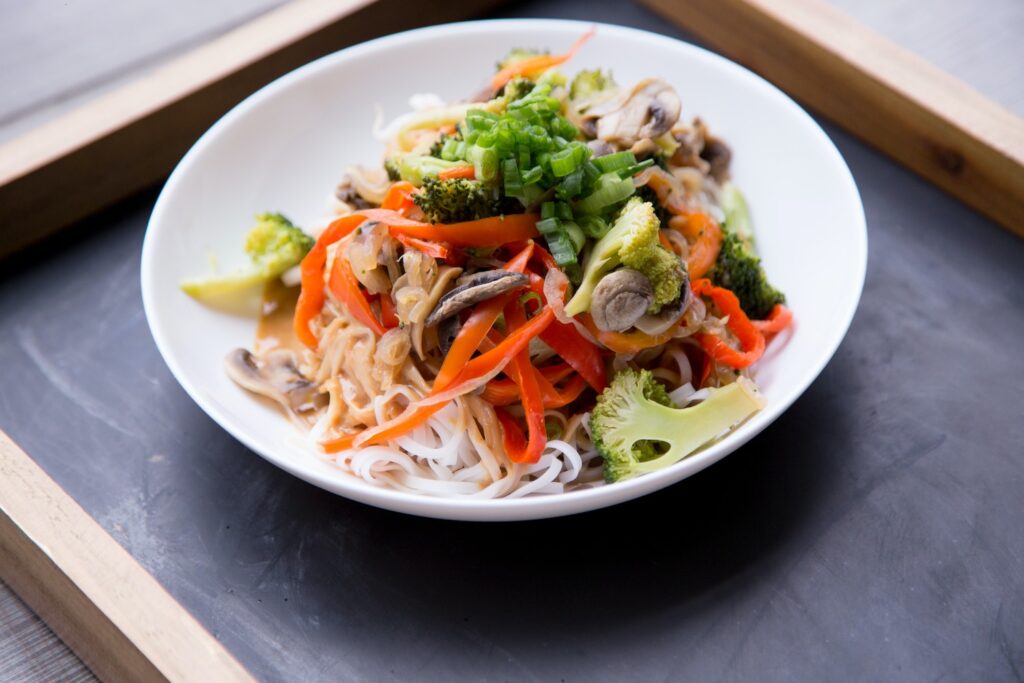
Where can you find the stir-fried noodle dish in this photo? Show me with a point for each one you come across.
(549, 286)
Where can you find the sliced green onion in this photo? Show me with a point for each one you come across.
(593, 226)
(613, 162)
(631, 171)
(533, 175)
(610, 190)
(531, 296)
(450, 150)
(485, 162)
(511, 177)
(575, 234)
(572, 185)
(559, 243)
(563, 163)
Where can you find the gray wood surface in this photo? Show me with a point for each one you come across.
(873, 532)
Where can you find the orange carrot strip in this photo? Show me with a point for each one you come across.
(467, 172)
(751, 340)
(311, 296)
(344, 285)
(705, 238)
(778, 320)
(534, 65)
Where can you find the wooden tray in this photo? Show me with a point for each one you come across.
(92, 592)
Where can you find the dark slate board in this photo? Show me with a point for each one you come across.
(876, 531)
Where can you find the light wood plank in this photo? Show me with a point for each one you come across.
(128, 139)
(96, 597)
(891, 98)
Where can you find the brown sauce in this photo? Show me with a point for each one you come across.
(277, 311)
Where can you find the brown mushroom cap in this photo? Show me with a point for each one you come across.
(650, 109)
(620, 299)
(476, 288)
(273, 375)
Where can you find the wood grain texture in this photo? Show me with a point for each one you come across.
(93, 594)
(891, 98)
(128, 139)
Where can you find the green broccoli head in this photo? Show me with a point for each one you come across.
(589, 83)
(274, 245)
(663, 268)
(391, 168)
(738, 269)
(457, 199)
(632, 241)
(637, 430)
(435, 149)
(516, 89)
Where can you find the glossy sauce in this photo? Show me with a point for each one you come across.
(277, 311)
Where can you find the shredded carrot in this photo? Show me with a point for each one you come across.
(485, 232)
(778, 320)
(705, 238)
(311, 297)
(624, 342)
(456, 363)
(399, 197)
(388, 315)
(467, 172)
(535, 65)
(344, 285)
(526, 376)
(438, 250)
(751, 340)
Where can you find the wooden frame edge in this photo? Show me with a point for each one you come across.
(122, 623)
(127, 140)
(891, 98)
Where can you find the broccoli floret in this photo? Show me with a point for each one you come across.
(637, 430)
(457, 199)
(435, 149)
(632, 241)
(647, 194)
(737, 215)
(516, 89)
(588, 83)
(416, 168)
(274, 246)
(738, 269)
(662, 268)
(517, 54)
(394, 175)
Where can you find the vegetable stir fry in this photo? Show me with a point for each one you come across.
(551, 286)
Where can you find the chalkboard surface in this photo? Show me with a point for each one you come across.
(873, 532)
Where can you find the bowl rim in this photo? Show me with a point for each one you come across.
(529, 507)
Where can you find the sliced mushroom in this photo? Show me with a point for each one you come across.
(273, 375)
(650, 109)
(447, 331)
(670, 314)
(691, 144)
(599, 148)
(644, 148)
(718, 155)
(346, 192)
(474, 289)
(620, 299)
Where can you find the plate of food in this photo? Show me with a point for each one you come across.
(504, 270)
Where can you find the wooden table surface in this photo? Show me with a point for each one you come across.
(55, 55)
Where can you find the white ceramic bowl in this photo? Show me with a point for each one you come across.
(285, 147)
